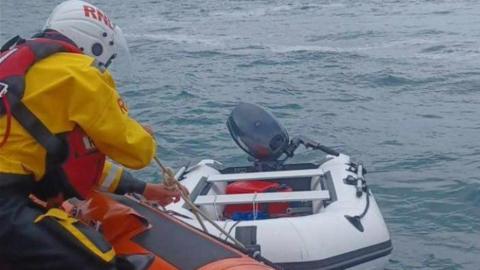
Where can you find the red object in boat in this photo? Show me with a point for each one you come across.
(257, 186)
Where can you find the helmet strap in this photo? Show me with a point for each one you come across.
(109, 61)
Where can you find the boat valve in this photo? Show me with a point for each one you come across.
(360, 181)
(352, 167)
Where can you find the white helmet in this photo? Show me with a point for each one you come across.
(90, 29)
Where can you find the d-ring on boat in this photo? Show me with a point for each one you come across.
(319, 215)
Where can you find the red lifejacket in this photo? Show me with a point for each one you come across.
(73, 161)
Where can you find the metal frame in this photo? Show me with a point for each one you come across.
(268, 197)
(264, 175)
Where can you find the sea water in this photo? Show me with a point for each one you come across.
(394, 84)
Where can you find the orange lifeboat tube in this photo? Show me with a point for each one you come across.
(154, 240)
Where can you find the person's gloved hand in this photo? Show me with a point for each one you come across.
(162, 194)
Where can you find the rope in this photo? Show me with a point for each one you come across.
(255, 210)
(367, 205)
(231, 228)
(171, 181)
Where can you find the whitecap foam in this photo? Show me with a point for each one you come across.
(299, 48)
(179, 38)
(254, 12)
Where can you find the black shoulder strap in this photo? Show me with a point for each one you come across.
(55, 147)
(13, 41)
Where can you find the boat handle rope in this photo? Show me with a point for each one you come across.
(367, 194)
(255, 210)
(233, 226)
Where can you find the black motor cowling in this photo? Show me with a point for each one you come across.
(257, 132)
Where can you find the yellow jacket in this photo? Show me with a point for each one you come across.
(65, 90)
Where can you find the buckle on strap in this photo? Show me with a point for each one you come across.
(3, 89)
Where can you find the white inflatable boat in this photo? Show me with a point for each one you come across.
(317, 215)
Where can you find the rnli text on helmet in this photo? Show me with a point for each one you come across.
(96, 14)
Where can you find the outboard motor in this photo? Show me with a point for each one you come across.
(257, 132)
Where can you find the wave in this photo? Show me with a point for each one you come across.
(273, 10)
(256, 12)
(367, 47)
(177, 38)
(300, 48)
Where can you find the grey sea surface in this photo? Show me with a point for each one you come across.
(394, 84)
